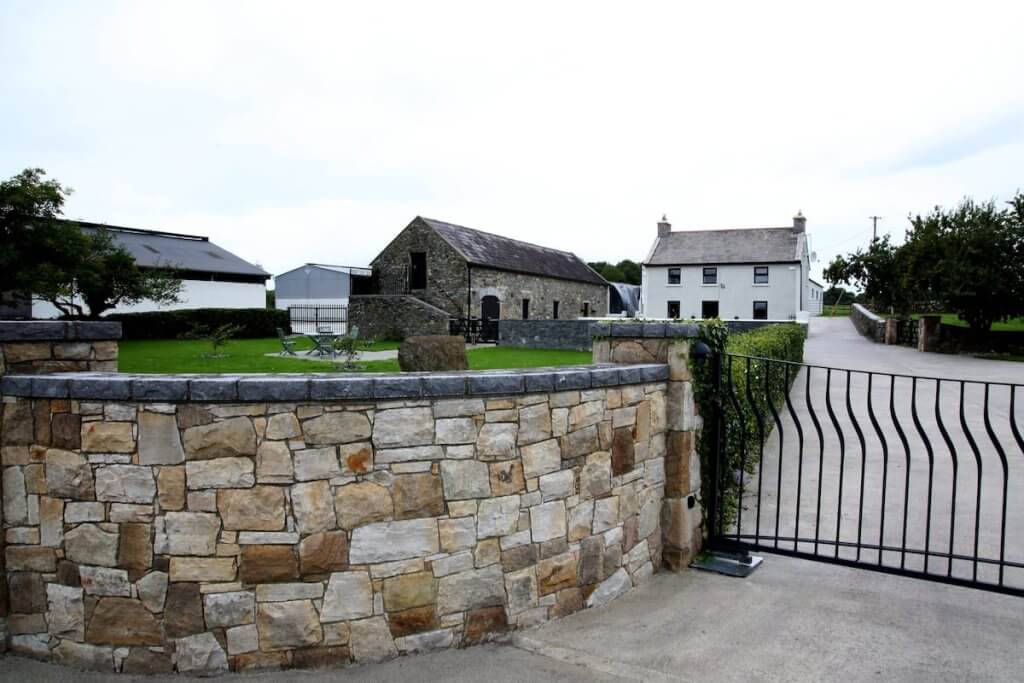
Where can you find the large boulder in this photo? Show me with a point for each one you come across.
(432, 354)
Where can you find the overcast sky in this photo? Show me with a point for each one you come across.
(291, 131)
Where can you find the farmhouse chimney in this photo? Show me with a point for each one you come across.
(664, 227)
(799, 222)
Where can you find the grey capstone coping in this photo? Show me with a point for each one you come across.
(213, 389)
(48, 386)
(264, 388)
(397, 387)
(58, 330)
(273, 388)
(648, 330)
(160, 389)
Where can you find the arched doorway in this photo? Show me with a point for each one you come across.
(490, 308)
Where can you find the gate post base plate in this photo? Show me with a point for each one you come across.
(727, 564)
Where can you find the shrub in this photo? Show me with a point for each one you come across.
(767, 383)
(252, 323)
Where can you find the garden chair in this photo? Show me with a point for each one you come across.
(287, 345)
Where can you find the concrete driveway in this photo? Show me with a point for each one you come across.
(853, 503)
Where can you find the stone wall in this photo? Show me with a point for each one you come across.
(395, 316)
(446, 269)
(631, 342)
(31, 347)
(512, 288)
(867, 323)
(37, 348)
(194, 524)
(546, 334)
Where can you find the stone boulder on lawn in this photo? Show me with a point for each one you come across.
(432, 354)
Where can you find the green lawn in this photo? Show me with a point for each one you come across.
(840, 311)
(249, 355)
(1012, 325)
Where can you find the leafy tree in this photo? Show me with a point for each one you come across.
(837, 295)
(970, 259)
(624, 271)
(631, 271)
(878, 272)
(36, 247)
(106, 276)
(52, 259)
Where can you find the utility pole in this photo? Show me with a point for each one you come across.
(874, 227)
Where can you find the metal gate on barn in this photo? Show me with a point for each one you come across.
(910, 475)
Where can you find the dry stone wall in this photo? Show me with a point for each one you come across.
(201, 535)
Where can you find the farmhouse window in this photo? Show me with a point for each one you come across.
(674, 276)
(760, 275)
(673, 309)
(760, 310)
(711, 276)
(708, 309)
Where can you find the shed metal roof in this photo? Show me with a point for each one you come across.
(504, 253)
(747, 245)
(152, 249)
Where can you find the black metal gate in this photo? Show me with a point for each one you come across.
(911, 475)
(310, 319)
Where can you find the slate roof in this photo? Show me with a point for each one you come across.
(152, 248)
(503, 253)
(749, 245)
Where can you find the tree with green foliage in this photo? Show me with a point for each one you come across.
(82, 274)
(624, 271)
(970, 259)
(105, 277)
(879, 272)
(36, 247)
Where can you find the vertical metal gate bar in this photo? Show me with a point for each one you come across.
(778, 430)
(885, 465)
(931, 471)
(956, 468)
(742, 422)
(714, 511)
(800, 457)
(821, 456)
(1013, 419)
(977, 460)
(760, 455)
(863, 457)
(906, 453)
(1006, 477)
(842, 454)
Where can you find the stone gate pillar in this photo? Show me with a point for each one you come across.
(669, 343)
(38, 347)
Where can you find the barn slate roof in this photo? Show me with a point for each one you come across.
(152, 249)
(504, 253)
(746, 245)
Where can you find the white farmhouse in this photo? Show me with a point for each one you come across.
(744, 274)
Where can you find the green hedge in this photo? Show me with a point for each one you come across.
(778, 342)
(252, 322)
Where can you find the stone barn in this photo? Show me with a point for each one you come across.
(434, 271)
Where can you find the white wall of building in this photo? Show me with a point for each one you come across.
(194, 294)
(815, 301)
(735, 291)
